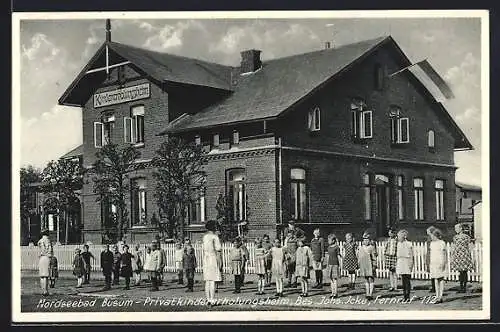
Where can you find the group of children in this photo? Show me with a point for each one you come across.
(294, 260)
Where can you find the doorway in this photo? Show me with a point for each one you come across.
(383, 204)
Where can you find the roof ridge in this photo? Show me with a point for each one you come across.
(173, 55)
(381, 39)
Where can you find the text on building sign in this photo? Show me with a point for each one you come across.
(124, 95)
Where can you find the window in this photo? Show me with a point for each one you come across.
(400, 127)
(430, 139)
(134, 126)
(298, 193)
(236, 137)
(108, 123)
(379, 76)
(138, 201)
(362, 120)
(216, 141)
(237, 197)
(51, 219)
(439, 192)
(108, 213)
(197, 210)
(418, 189)
(399, 189)
(197, 140)
(314, 119)
(367, 202)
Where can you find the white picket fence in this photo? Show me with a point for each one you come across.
(65, 253)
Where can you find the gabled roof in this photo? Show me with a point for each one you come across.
(280, 83)
(76, 152)
(160, 67)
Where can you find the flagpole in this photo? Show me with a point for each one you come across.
(397, 72)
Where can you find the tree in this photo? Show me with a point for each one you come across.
(111, 172)
(226, 227)
(60, 180)
(28, 176)
(180, 178)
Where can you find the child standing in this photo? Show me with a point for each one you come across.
(437, 265)
(78, 268)
(237, 259)
(189, 264)
(429, 232)
(390, 256)
(304, 262)
(87, 256)
(137, 265)
(350, 259)
(278, 266)
(318, 252)
(117, 257)
(246, 257)
(333, 263)
(404, 263)
(267, 245)
(155, 265)
(147, 263)
(260, 266)
(179, 255)
(53, 271)
(290, 250)
(367, 264)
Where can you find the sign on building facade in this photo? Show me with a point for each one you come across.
(124, 95)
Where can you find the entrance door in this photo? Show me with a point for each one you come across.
(383, 203)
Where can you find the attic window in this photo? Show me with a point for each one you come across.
(216, 141)
(236, 137)
(430, 140)
(379, 76)
(197, 140)
(314, 119)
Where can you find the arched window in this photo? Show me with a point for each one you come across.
(298, 193)
(430, 139)
(138, 201)
(362, 121)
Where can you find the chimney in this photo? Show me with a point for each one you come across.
(327, 45)
(108, 30)
(250, 61)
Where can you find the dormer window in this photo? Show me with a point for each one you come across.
(400, 127)
(362, 120)
(430, 140)
(216, 141)
(314, 119)
(236, 137)
(197, 140)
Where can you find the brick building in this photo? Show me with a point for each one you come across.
(327, 138)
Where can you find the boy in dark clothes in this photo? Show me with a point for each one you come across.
(318, 252)
(189, 264)
(117, 257)
(107, 266)
(126, 266)
(87, 255)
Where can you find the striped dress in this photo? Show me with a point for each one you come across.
(260, 261)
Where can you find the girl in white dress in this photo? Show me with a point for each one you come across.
(212, 260)
(278, 266)
(438, 262)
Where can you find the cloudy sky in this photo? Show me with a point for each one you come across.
(53, 52)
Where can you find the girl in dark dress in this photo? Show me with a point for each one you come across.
(78, 268)
(350, 259)
(53, 271)
(126, 266)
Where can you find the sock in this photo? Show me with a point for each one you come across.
(333, 286)
(306, 286)
(367, 287)
(372, 286)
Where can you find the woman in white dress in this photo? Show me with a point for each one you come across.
(46, 251)
(212, 260)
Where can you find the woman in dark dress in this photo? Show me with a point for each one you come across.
(126, 266)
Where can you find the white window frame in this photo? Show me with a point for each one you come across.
(314, 119)
(96, 124)
(216, 140)
(367, 201)
(396, 135)
(359, 113)
(400, 194)
(431, 139)
(439, 199)
(106, 120)
(141, 191)
(419, 201)
(236, 137)
(197, 140)
(362, 122)
(127, 131)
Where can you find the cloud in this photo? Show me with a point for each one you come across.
(40, 48)
(470, 114)
(43, 137)
(468, 71)
(168, 36)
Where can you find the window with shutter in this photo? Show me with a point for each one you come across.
(361, 120)
(127, 130)
(98, 134)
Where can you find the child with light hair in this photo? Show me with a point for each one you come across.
(404, 261)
